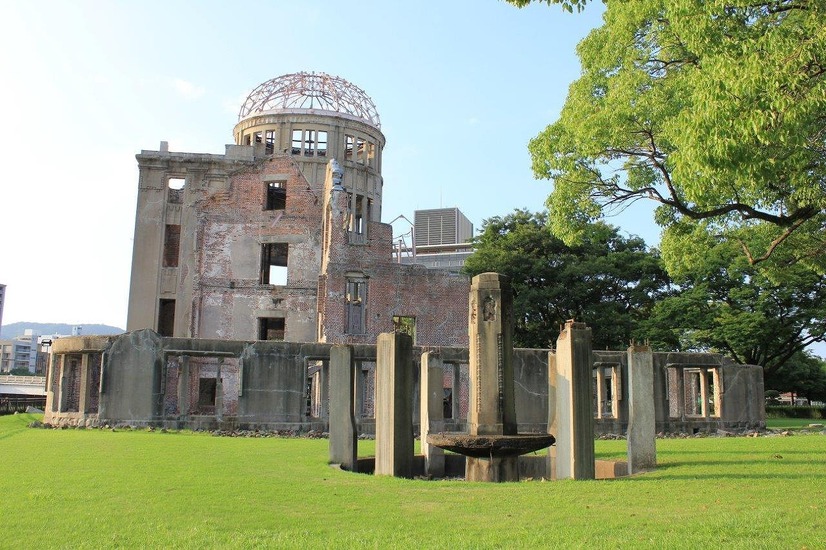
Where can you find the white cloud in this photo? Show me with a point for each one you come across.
(473, 121)
(186, 89)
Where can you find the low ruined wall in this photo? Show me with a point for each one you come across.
(141, 378)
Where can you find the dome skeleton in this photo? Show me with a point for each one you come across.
(317, 91)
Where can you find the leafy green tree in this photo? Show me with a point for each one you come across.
(607, 281)
(715, 111)
(803, 375)
(729, 306)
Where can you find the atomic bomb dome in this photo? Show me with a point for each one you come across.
(311, 91)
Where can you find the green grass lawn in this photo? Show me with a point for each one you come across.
(96, 488)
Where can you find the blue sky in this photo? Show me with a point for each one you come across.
(461, 86)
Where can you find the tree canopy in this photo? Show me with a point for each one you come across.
(724, 304)
(607, 281)
(714, 111)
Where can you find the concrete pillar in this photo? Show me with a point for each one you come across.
(83, 398)
(456, 403)
(574, 392)
(680, 393)
(219, 393)
(394, 407)
(324, 383)
(431, 409)
(343, 434)
(183, 388)
(553, 419)
(642, 427)
(63, 396)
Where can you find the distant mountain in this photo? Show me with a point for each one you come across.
(13, 330)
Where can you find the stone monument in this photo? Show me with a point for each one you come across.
(492, 446)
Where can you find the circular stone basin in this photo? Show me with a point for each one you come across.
(490, 446)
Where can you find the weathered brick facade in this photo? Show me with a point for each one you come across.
(208, 250)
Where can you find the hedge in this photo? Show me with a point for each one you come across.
(788, 411)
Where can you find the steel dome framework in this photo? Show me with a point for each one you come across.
(318, 91)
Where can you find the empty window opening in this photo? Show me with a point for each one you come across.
(71, 391)
(271, 328)
(309, 143)
(298, 136)
(405, 325)
(269, 139)
(606, 387)
(447, 403)
(176, 183)
(315, 398)
(356, 305)
(171, 245)
(349, 145)
(207, 392)
(361, 151)
(276, 196)
(247, 140)
(701, 392)
(166, 317)
(259, 137)
(359, 214)
(321, 144)
(371, 154)
(274, 263)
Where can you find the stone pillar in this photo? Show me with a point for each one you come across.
(343, 434)
(574, 409)
(394, 406)
(456, 402)
(491, 408)
(553, 419)
(219, 393)
(704, 393)
(183, 388)
(324, 395)
(431, 409)
(642, 427)
(83, 398)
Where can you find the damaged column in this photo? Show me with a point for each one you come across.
(394, 406)
(642, 448)
(343, 434)
(574, 397)
(431, 410)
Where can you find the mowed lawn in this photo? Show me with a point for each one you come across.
(99, 488)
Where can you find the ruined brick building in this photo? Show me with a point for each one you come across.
(248, 267)
(281, 238)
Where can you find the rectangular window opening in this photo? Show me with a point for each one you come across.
(276, 196)
(349, 144)
(271, 328)
(166, 317)
(297, 138)
(356, 301)
(321, 144)
(269, 140)
(361, 152)
(207, 392)
(274, 264)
